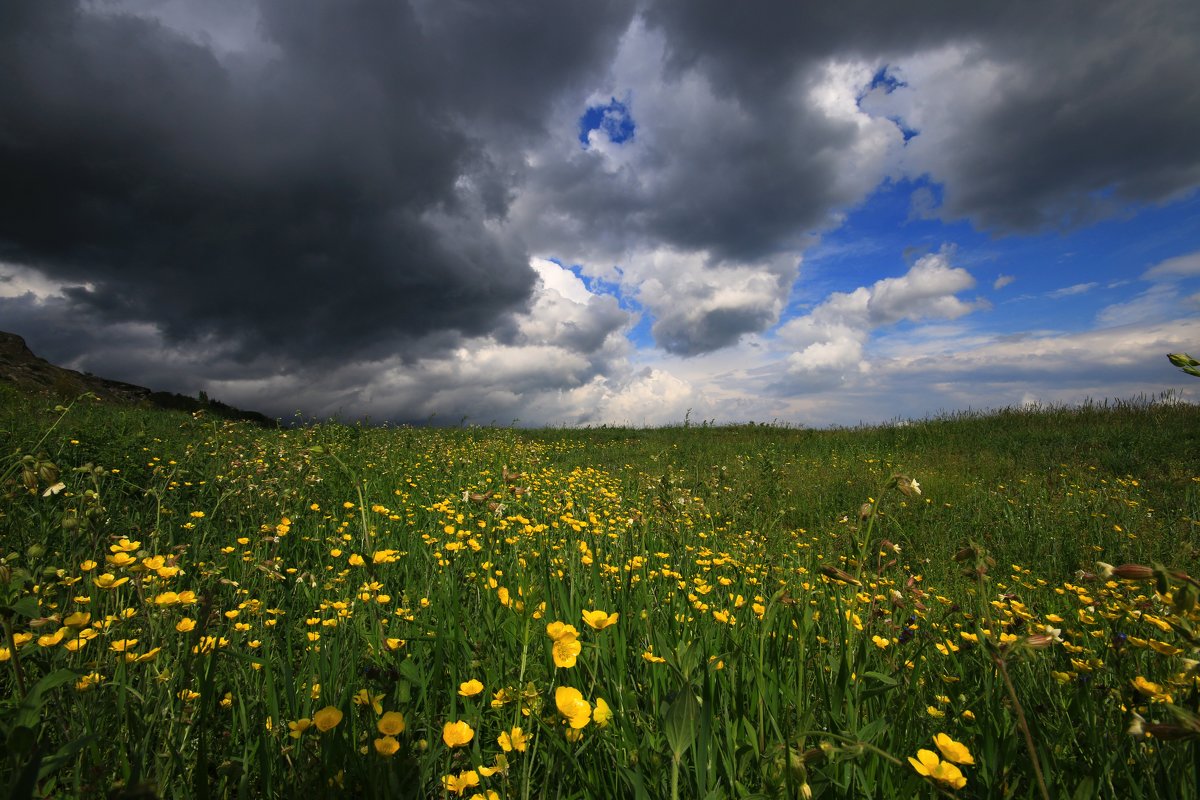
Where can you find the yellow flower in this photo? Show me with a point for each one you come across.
(149, 655)
(470, 688)
(514, 740)
(502, 697)
(88, 681)
(166, 599)
(121, 559)
(121, 645)
(184, 625)
(356, 560)
(77, 620)
(602, 714)
(365, 698)
(295, 729)
(560, 630)
(457, 734)
(574, 709)
(653, 659)
(461, 782)
(390, 724)
(52, 639)
(109, 581)
(933, 767)
(600, 619)
(1149, 688)
(565, 651)
(386, 746)
(935, 712)
(952, 750)
(327, 718)
(881, 642)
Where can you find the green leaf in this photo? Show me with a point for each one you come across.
(30, 712)
(682, 722)
(884, 679)
(27, 606)
(871, 731)
(20, 739)
(64, 755)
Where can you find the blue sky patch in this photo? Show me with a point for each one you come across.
(614, 120)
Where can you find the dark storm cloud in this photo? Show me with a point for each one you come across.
(327, 196)
(1098, 108)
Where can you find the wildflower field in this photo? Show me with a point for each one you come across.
(979, 606)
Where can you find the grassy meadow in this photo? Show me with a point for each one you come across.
(198, 608)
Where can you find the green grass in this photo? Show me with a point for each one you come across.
(354, 570)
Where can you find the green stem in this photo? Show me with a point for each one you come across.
(1023, 725)
(18, 673)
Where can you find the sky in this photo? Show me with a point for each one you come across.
(633, 212)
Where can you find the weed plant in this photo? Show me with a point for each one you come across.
(199, 608)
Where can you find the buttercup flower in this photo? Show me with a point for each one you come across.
(457, 734)
(386, 746)
(514, 740)
(565, 651)
(952, 750)
(928, 764)
(574, 709)
(600, 619)
(461, 782)
(602, 714)
(327, 718)
(390, 724)
(653, 659)
(561, 630)
(365, 698)
(295, 729)
(470, 688)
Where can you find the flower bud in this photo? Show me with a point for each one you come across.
(1184, 599)
(1132, 572)
(836, 574)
